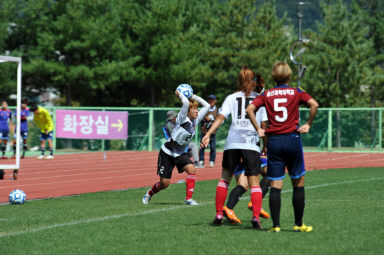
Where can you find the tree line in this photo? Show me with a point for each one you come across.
(135, 52)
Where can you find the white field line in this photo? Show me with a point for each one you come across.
(117, 216)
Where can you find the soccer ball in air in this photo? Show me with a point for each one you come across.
(17, 197)
(186, 90)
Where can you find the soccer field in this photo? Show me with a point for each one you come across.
(344, 206)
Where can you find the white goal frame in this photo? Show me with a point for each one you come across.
(18, 107)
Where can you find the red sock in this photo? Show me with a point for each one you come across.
(190, 185)
(257, 199)
(155, 188)
(221, 195)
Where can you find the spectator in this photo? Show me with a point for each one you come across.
(205, 126)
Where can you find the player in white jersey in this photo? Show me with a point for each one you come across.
(241, 145)
(173, 152)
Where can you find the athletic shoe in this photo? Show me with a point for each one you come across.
(250, 206)
(146, 198)
(191, 202)
(13, 157)
(302, 228)
(197, 165)
(256, 223)
(218, 221)
(211, 164)
(22, 156)
(40, 157)
(50, 157)
(231, 216)
(264, 214)
(4, 157)
(274, 230)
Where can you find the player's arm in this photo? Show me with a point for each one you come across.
(313, 105)
(185, 108)
(263, 125)
(216, 124)
(251, 111)
(203, 110)
(49, 124)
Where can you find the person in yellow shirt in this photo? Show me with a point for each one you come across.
(43, 120)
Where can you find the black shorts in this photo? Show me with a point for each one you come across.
(166, 164)
(248, 158)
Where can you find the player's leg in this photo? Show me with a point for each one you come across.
(251, 162)
(195, 154)
(165, 167)
(14, 145)
(276, 174)
(190, 181)
(4, 147)
(221, 194)
(296, 168)
(25, 145)
(42, 146)
(201, 153)
(50, 143)
(212, 153)
(236, 193)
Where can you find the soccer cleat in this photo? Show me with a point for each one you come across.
(50, 157)
(191, 202)
(197, 165)
(218, 221)
(15, 174)
(256, 223)
(302, 228)
(211, 164)
(250, 206)
(264, 214)
(146, 198)
(13, 157)
(4, 157)
(231, 216)
(274, 230)
(40, 157)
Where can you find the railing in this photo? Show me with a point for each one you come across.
(334, 129)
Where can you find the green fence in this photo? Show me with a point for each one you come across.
(335, 129)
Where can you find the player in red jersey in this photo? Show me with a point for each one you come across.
(284, 142)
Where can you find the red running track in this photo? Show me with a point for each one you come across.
(83, 173)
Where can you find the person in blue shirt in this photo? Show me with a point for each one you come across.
(24, 113)
(5, 123)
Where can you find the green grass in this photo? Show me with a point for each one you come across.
(347, 219)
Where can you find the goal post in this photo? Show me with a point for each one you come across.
(18, 107)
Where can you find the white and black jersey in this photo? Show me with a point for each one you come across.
(184, 128)
(241, 135)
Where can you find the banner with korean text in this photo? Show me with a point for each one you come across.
(91, 125)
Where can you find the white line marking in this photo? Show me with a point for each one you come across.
(117, 216)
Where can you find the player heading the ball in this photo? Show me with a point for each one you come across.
(174, 150)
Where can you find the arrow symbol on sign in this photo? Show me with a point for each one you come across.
(118, 125)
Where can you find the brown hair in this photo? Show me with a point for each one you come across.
(193, 104)
(281, 72)
(248, 80)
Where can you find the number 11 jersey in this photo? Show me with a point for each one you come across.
(241, 135)
(282, 105)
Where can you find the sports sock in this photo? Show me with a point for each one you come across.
(264, 185)
(257, 199)
(298, 201)
(25, 147)
(155, 188)
(275, 205)
(234, 196)
(42, 151)
(190, 185)
(51, 151)
(221, 195)
(14, 149)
